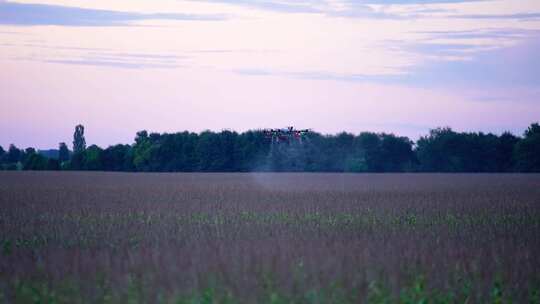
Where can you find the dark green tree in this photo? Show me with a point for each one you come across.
(527, 152)
(338, 150)
(442, 150)
(35, 161)
(251, 151)
(53, 164)
(14, 154)
(63, 152)
(142, 151)
(505, 152)
(396, 153)
(176, 152)
(92, 158)
(211, 153)
(2, 155)
(117, 158)
(27, 153)
(79, 143)
(76, 162)
(367, 153)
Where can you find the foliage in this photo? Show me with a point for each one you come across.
(117, 158)
(63, 152)
(79, 143)
(2, 154)
(528, 150)
(442, 150)
(14, 155)
(445, 150)
(34, 161)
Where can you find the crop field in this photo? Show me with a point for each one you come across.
(74, 237)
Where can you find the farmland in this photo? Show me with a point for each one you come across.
(83, 237)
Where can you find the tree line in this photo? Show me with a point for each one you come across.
(442, 150)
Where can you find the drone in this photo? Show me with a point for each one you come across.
(286, 135)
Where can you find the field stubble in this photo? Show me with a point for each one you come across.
(276, 238)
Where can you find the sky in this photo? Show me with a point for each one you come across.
(394, 66)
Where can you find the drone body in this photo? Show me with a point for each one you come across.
(286, 135)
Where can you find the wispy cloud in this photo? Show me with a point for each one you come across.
(347, 9)
(319, 75)
(488, 33)
(373, 9)
(9, 32)
(23, 14)
(42, 14)
(517, 16)
(309, 6)
(412, 1)
(446, 50)
(515, 65)
(344, 8)
(114, 64)
(120, 58)
(105, 58)
(518, 65)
